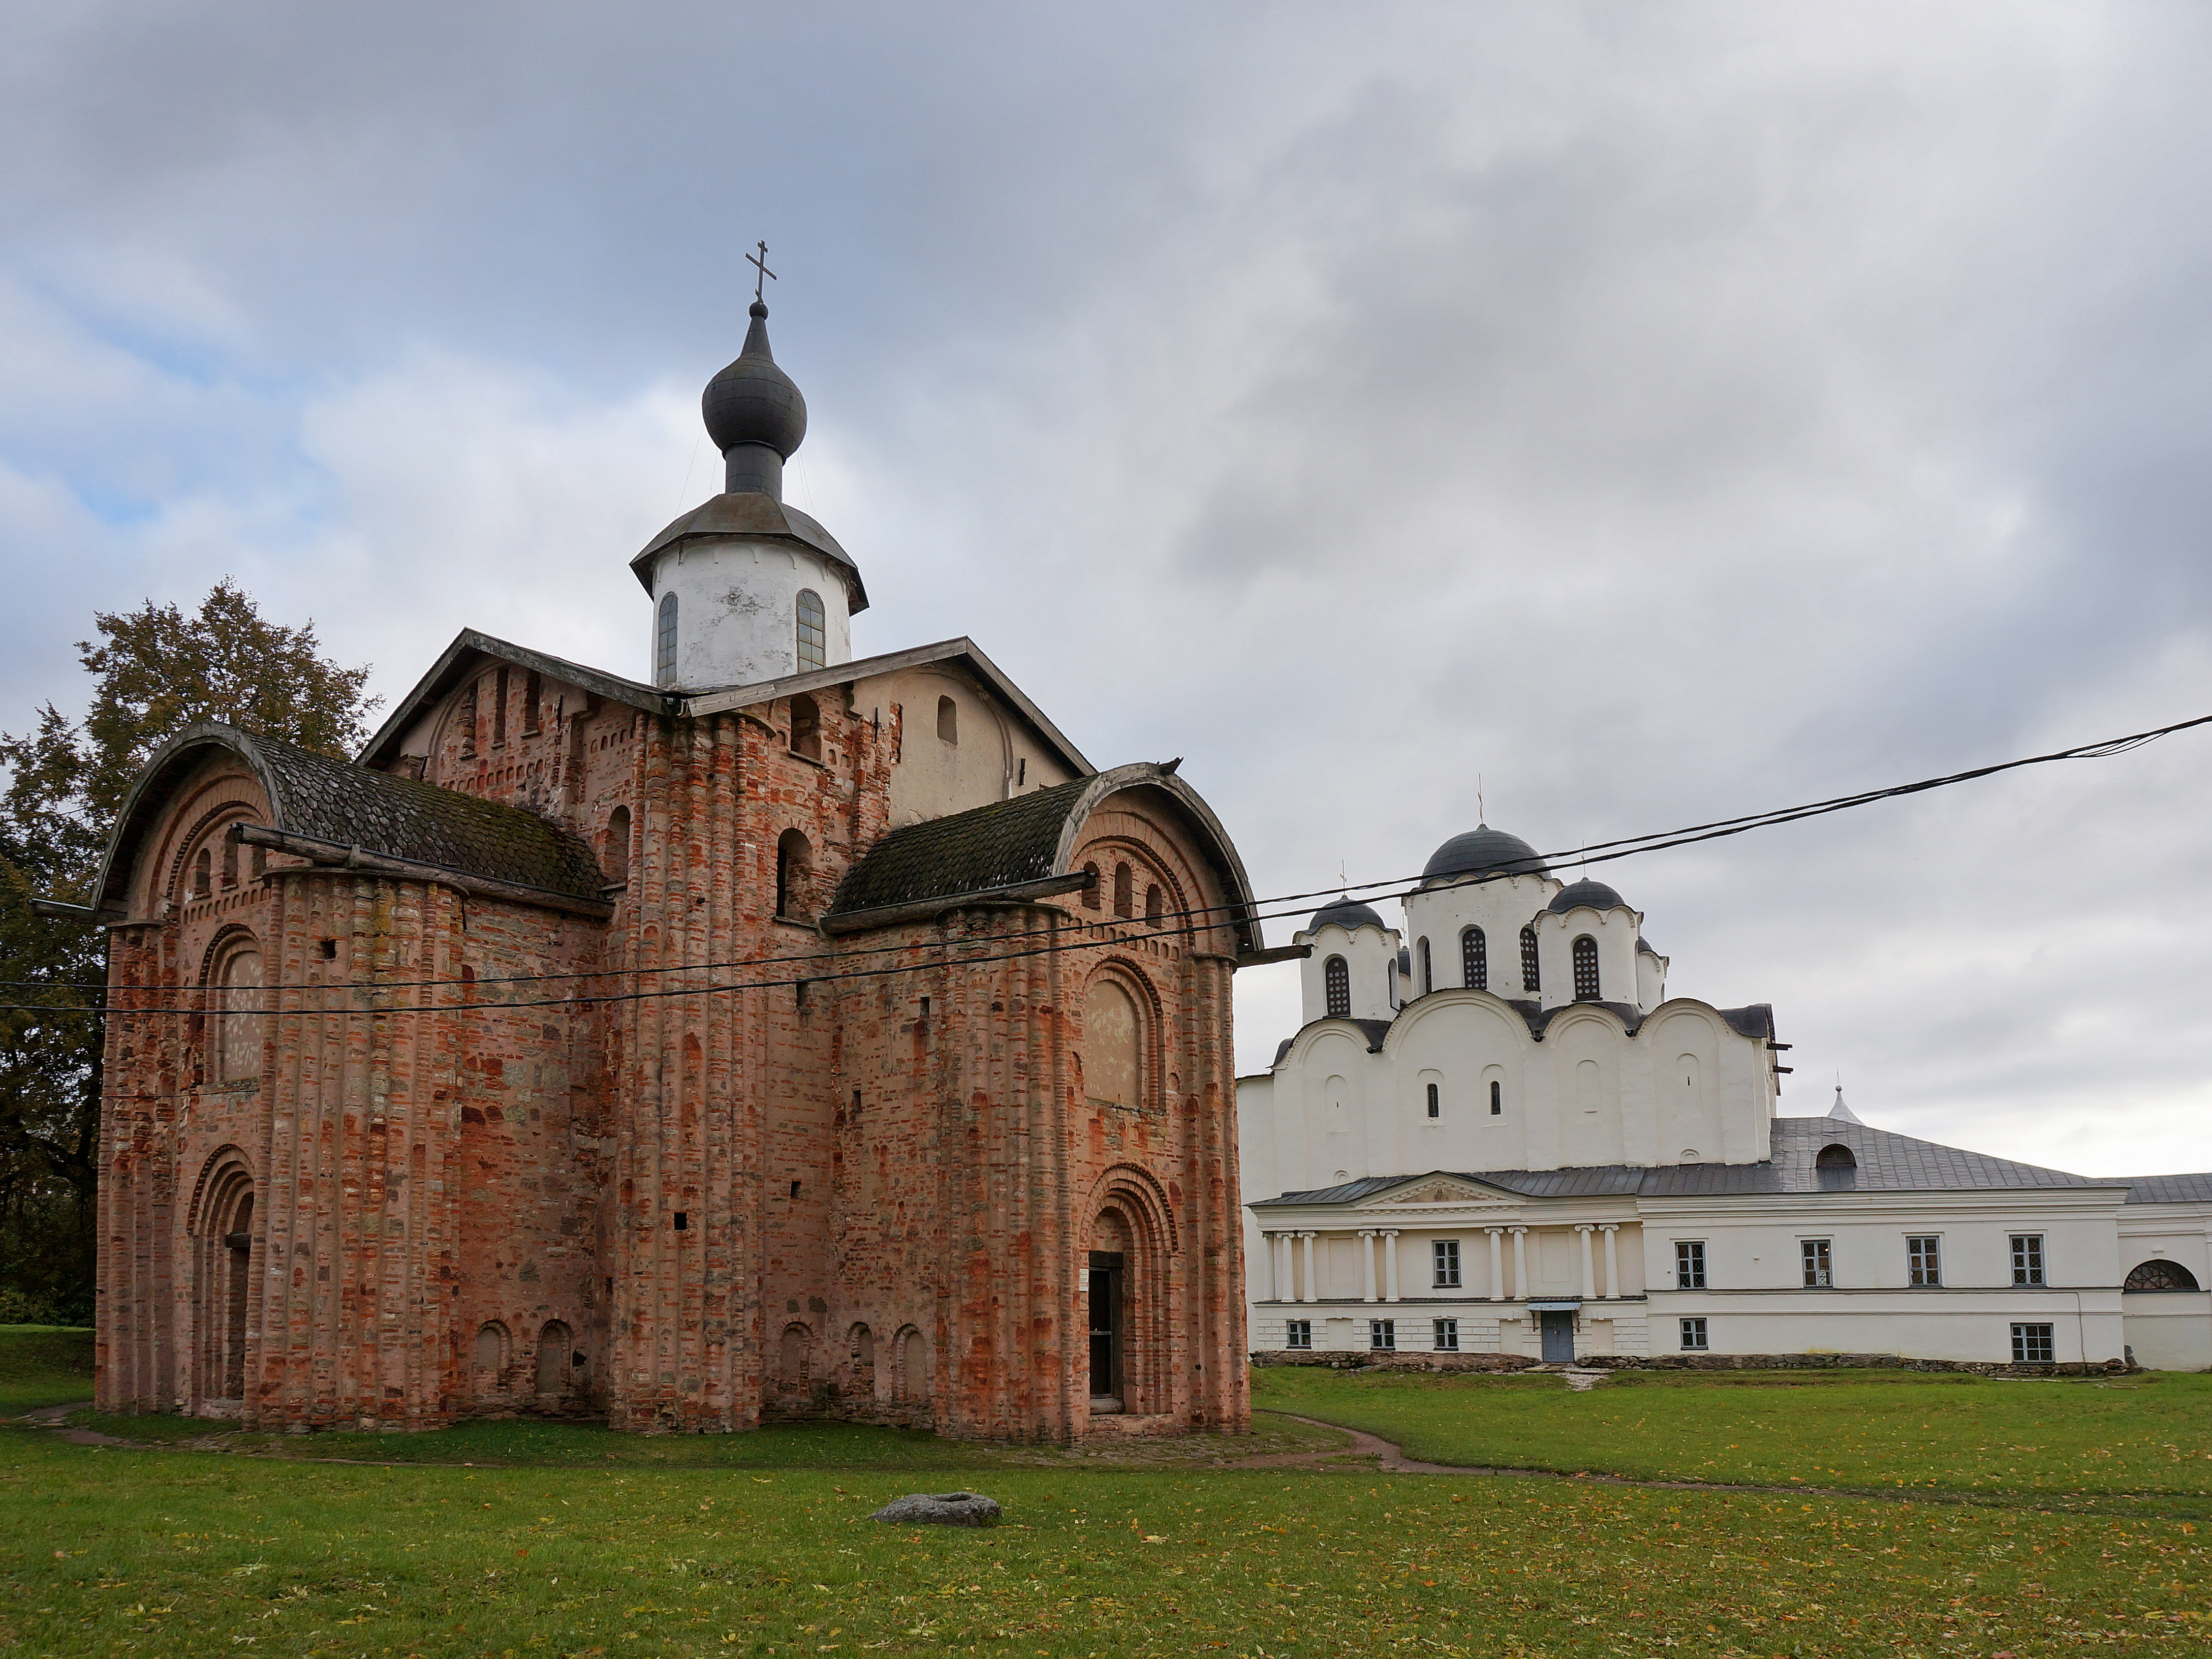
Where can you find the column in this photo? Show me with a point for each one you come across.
(1583, 1230)
(1497, 1263)
(1366, 1266)
(1521, 1263)
(1286, 1269)
(1307, 1295)
(1267, 1243)
(1389, 1237)
(1612, 1231)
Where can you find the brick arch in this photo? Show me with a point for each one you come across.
(1143, 1194)
(1151, 1009)
(190, 841)
(222, 1210)
(1161, 860)
(1150, 1311)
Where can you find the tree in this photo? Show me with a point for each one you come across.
(156, 671)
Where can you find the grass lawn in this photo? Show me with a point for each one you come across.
(2146, 1435)
(763, 1547)
(42, 1366)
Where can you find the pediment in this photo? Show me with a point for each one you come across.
(1434, 1189)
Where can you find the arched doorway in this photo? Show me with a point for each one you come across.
(222, 1281)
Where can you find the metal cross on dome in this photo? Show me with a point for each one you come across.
(759, 262)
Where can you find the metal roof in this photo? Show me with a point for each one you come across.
(2170, 1189)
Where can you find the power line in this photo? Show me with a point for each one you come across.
(1599, 853)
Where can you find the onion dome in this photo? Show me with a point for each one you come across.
(1484, 851)
(1595, 894)
(755, 413)
(1346, 913)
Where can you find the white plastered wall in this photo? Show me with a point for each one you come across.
(736, 602)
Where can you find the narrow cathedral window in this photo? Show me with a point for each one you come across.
(1124, 891)
(793, 857)
(1428, 970)
(533, 698)
(467, 717)
(1474, 960)
(1530, 979)
(1337, 977)
(1436, 1101)
(805, 728)
(1153, 904)
(499, 710)
(1497, 1098)
(1447, 1338)
(1586, 970)
(2027, 1258)
(664, 649)
(202, 874)
(1090, 896)
(617, 859)
(948, 720)
(813, 637)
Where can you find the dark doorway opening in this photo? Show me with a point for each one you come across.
(1103, 1300)
(1559, 1336)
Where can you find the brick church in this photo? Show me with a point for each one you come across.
(792, 1035)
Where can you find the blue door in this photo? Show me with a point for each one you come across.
(1559, 1336)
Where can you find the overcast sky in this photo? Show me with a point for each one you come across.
(1660, 412)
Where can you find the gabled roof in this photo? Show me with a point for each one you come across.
(998, 849)
(458, 661)
(322, 798)
(1887, 1163)
(963, 651)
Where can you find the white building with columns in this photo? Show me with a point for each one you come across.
(1494, 1132)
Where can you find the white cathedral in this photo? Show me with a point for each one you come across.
(1494, 1132)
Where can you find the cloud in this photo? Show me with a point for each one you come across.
(1659, 414)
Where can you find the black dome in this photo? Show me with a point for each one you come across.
(753, 401)
(1348, 913)
(1481, 851)
(1595, 894)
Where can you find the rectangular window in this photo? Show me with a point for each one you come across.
(1923, 1260)
(2031, 1346)
(1817, 1276)
(2027, 1258)
(1447, 1336)
(1689, 1264)
(1693, 1334)
(1381, 1333)
(1297, 1333)
(1445, 1251)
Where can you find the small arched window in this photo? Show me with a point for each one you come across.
(1154, 906)
(813, 633)
(1497, 1098)
(1473, 960)
(552, 1357)
(616, 859)
(805, 728)
(1124, 887)
(2159, 1275)
(1436, 1101)
(1530, 979)
(238, 1013)
(202, 874)
(465, 716)
(794, 858)
(1835, 1167)
(948, 720)
(1428, 970)
(1586, 988)
(664, 643)
(1336, 979)
(1092, 899)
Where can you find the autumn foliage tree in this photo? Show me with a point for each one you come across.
(155, 671)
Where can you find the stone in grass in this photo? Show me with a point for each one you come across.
(943, 1509)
